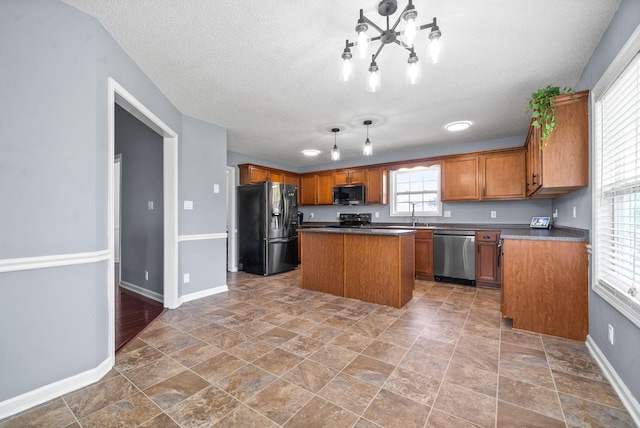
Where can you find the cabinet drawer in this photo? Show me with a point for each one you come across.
(424, 234)
(482, 236)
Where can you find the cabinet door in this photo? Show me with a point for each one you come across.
(460, 179)
(340, 177)
(503, 175)
(357, 176)
(324, 188)
(424, 254)
(376, 181)
(277, 176)
(533, 161)
(307, 191)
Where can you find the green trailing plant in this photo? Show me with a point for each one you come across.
(544, 115)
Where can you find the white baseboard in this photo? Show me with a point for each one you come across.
(627, 398)
(48, 392)
(203, 293)
(143, 291)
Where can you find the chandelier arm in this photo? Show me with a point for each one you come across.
(431, 25)
(402, 44)
(373, 24)
(399, 18)
(373, 57)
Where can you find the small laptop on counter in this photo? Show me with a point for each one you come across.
(540, 223)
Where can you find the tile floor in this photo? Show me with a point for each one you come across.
(267, 353)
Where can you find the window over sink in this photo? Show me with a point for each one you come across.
(415, 190)
(616, 192)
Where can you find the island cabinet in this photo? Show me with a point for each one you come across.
(424, 254)
(503, 175)
(487, 259)
(373, 266)
(562, 165)
(460, 178)
(316, 188)
(343, 177)
(545, 287)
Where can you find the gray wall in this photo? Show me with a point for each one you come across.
(54, 174)
(142, 233)
(623, 356)
(202, 164)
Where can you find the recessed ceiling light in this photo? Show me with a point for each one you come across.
(457, 126)
(311, 152)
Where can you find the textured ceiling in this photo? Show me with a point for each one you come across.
(268, 71)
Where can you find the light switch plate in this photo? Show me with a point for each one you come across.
(150, 205)
(188, 205)
(447, 213)
(216, 188)
(186, 278)
(493, 214)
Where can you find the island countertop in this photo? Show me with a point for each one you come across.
(359, 231)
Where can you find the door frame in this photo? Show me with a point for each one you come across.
(232, 232)
(118, 95)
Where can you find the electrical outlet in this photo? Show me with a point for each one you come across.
(377, 214)
(555, 213)
(186, 278)
(146, 275)
(493, 214)
(188, 205)
(574, 212)
(216, 188)
(447, 213)
(150, 205)
(611, 332)
(310, 215)
(338, 215)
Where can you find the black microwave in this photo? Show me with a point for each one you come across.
(349, 195)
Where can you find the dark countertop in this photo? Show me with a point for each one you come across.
(360, 231)
(508, 231)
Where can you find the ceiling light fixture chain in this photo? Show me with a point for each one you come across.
(405, 39)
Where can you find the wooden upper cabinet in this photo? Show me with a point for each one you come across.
(460, 179)
(316, 188)
(343, 177)
(251, 174)
(503, 175)
(563, 164)
(376, 181)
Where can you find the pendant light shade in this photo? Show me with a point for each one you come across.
(346, 66)
(414, 70)
(367, 149)
(335, 152)
(373, 82)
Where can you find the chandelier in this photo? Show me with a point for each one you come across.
(404, 39)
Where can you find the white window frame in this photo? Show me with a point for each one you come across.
(393, 212)
(614, 294)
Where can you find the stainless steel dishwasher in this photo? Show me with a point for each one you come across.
(454, 256)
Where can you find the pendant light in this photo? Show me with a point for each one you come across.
(367, 149)
(335, 152)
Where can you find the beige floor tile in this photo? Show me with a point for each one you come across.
(175, 389)
(245, 382)
(510, 415)
(154, 372)
(349, 393)
(472, 406)
(532, 397)
(479, 380)
(334, 356)
(243, 416)
(388, 409)
(416, 386)
(582, 413)
(280, 400)
(438, 419)
(99, 395)
(278, 361)
(321, 413)
(369, 370)
(218, 367)
(54, 413)
(310, 375)
(203, 408)
(130, 411)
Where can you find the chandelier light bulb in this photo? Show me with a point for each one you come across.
(434, 48)
(362, 47)
(346, 68)
(414, 71)
(411, 26)
(373, 82)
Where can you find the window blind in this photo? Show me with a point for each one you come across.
(617, 133)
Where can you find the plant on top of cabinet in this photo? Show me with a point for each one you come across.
(541, 104)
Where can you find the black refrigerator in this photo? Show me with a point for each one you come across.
(267, 227)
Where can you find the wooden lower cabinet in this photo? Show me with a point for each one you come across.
(545, 287)
(487, 259)
(374, 268)
(424, 254)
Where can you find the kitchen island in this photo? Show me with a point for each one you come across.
(372, 265)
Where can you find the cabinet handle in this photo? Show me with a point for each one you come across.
(533, 179)
(499, 253)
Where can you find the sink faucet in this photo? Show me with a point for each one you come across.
(414, 219)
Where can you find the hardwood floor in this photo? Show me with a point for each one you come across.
(133, 313)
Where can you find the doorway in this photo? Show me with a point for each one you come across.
(120, 96)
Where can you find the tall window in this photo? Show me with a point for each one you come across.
(617, 191)
(416, 190)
